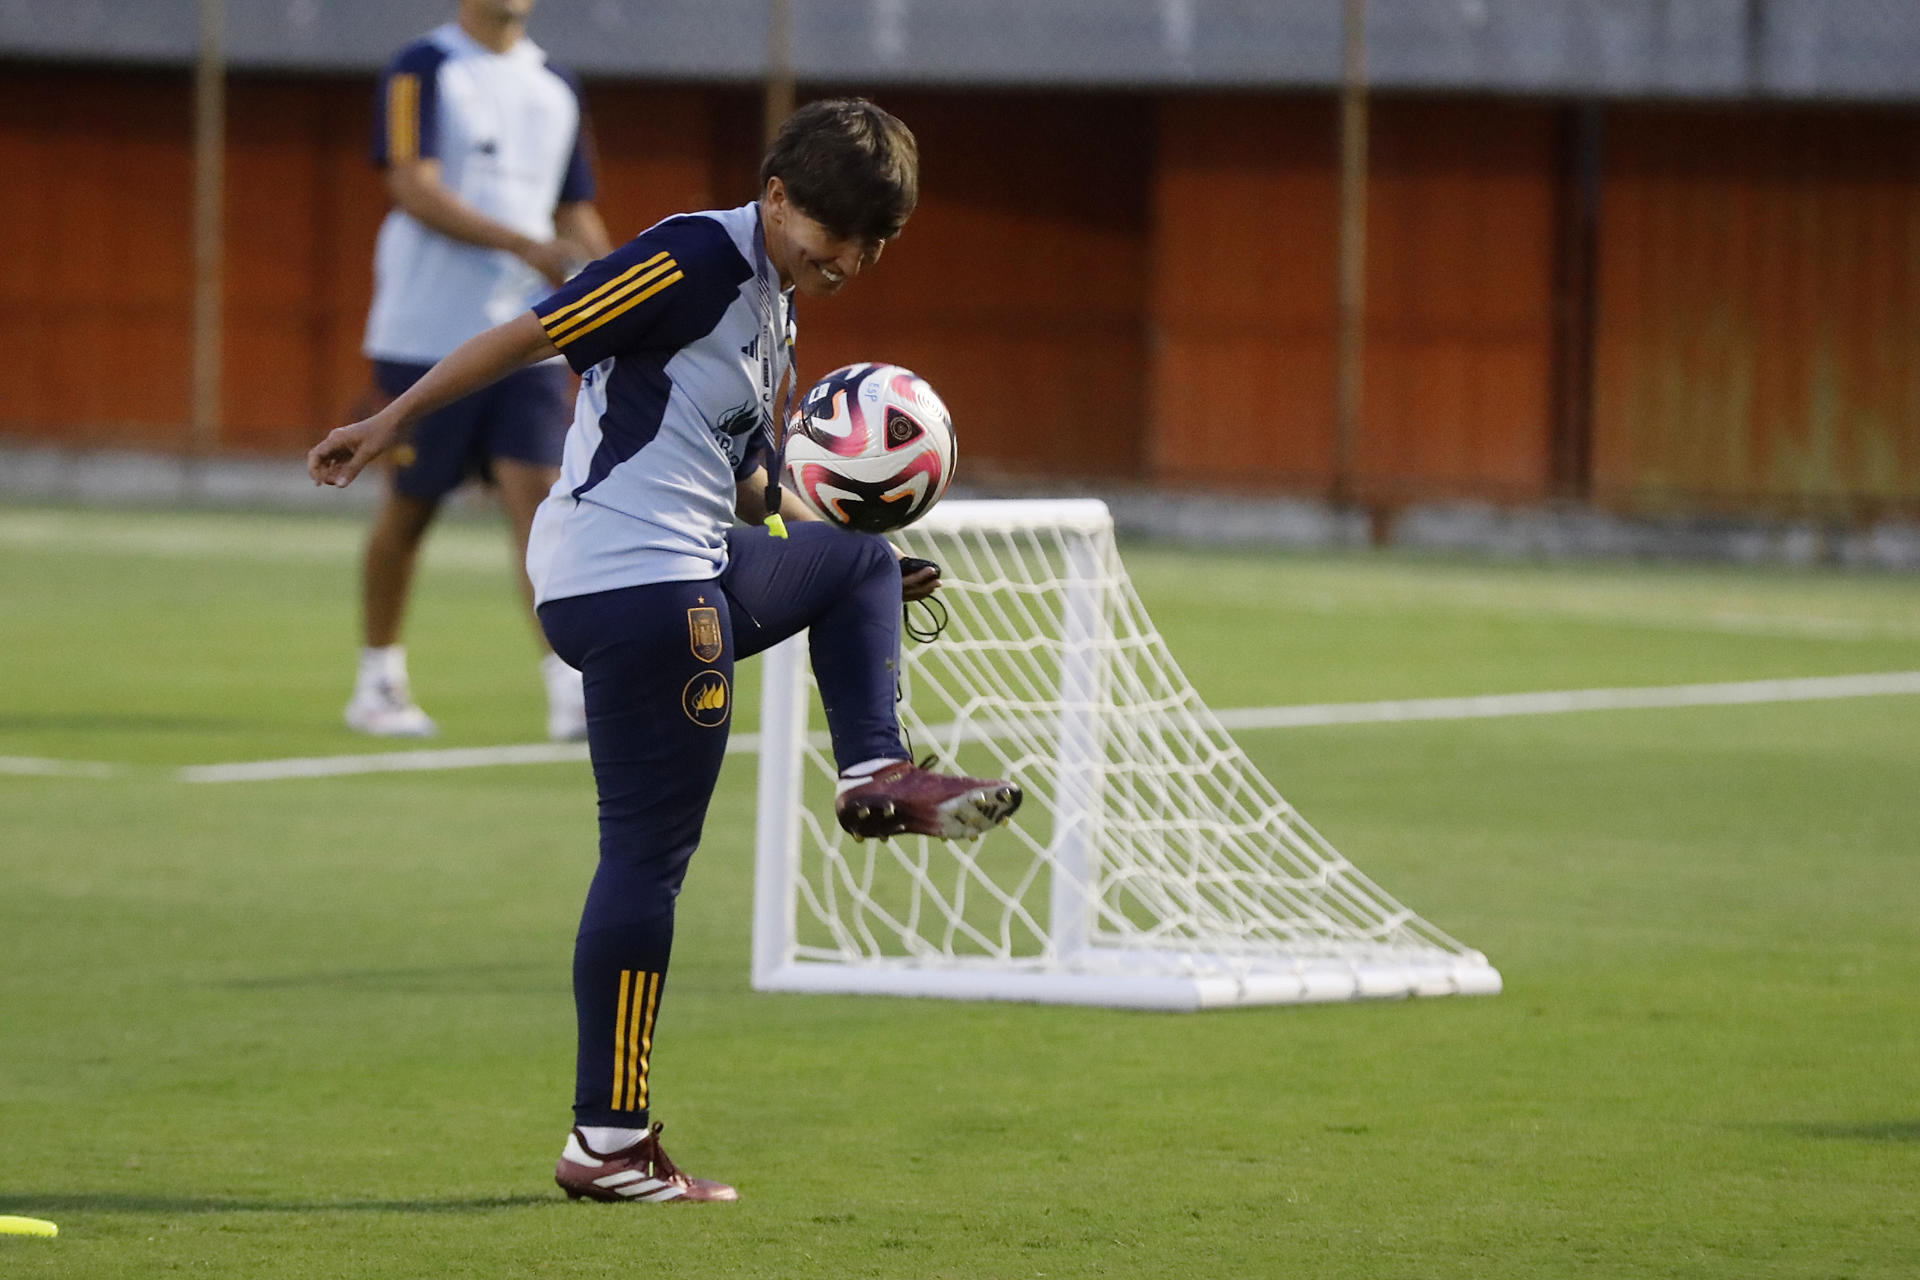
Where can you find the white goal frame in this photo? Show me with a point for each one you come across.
(1356, 942)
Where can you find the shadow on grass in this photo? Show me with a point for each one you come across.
(124, 723)
(116, 1202)
(494, 979)
(1872, 1131)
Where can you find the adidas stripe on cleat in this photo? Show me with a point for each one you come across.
(639, 1173)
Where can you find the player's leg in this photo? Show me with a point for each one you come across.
(844, 590)
(523, 486)
(423, 470)
(392, 551)
(658, 666)
(527, 418)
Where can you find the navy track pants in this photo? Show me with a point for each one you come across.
(658, 664)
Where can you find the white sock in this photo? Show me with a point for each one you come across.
(384, 663)
(867, 768)
(604, 1141)
(554, 667)
(854, 776)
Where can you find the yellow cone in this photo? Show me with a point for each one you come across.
(26, 1227)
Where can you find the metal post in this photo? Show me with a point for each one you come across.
(1348, 376)
(779, 90)
(783, 763)
(209, 185)
(1576, 300)
(1080, 746)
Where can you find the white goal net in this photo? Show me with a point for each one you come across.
(1151, 866)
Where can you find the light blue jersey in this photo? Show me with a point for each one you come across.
(681, 337)
(506, 130)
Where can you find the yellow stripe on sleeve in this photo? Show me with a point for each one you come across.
(403, 117)
(620, 310)
(549, 319)
(625, 291)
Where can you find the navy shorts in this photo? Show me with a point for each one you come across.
(523, 417)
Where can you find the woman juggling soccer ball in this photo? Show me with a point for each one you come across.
(656, 567)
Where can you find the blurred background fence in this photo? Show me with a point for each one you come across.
(1652, 256)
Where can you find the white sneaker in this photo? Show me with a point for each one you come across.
(566, 701)
(387, 710)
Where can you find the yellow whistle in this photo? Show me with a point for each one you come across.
(776, 526)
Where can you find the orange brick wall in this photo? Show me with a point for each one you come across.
(1460, 226)
(1020, 287)
(1243, 299)
(96, 283)
(1103, 285)
(1760, 310)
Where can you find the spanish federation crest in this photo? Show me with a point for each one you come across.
(703, 633)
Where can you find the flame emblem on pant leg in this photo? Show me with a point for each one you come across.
(705, 699)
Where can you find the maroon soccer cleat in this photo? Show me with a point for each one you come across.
(903, 799)
(639, 1172)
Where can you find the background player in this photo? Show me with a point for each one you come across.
(683, 337)
(485, 149)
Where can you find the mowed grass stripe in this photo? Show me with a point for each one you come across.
(235, 1018)
(267, 1003)
(1713, 598)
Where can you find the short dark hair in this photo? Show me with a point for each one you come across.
(849, 166)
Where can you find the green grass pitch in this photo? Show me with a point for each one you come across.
(322, 1028)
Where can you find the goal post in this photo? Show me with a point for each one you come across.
(1151, 866)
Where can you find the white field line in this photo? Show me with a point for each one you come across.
(385, 762)
(410, 761)
(1813, 689)
(35, 767)
(1399, 711)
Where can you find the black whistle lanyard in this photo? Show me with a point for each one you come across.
(777, 429)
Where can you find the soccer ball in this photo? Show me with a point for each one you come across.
(871, 448)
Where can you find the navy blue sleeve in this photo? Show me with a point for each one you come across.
(665, 288)
(406, 112)
(759, 454)
(578, 184)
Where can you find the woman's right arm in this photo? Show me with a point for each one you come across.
(478, 362)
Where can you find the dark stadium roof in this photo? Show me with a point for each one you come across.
(1845, 49)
